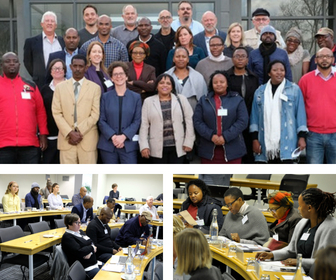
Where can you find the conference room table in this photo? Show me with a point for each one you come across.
(240, 267)
(177, 204)
(137, 202)
(44, 200)
(103, 274)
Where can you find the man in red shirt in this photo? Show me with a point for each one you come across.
(319, 92)
(22, 115)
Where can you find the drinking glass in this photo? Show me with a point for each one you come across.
(250, 264)
(232, 250)
(265, 277)
(137, 264)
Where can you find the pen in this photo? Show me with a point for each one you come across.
(28, 241)
(277, 277)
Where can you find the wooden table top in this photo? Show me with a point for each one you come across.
(103, 275)
(135, 211)
(138, 202)
(184, 177)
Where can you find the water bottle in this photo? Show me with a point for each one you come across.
(298, 272)
(41, 204)
(214, 226)
(129, 274)
(150, 241)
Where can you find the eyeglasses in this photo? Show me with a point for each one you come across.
(324, 56)
(185, 8)
(165, 18)
(260, 19)
(57, 69)
(230, 204)
(240, 56)
(293, 41)
(215, 45)
(273, 210)
(138, 53)
(78, 223)
(118, 74)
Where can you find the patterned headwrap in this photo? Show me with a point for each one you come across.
(282, 198)
(139, 44)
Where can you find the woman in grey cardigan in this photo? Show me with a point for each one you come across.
(315, 231)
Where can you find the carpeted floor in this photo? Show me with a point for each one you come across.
(13, 272)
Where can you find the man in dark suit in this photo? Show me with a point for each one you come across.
(209, 21)
(84, 210)
(37, 49)
(71, 39)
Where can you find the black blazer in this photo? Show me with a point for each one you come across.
(52, 56)
(33, 58)
(78, 209)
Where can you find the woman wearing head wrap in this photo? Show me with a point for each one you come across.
(298, 57)
(281, 207)
(141, 76)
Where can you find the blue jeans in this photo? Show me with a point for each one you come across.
(320, 146)
(26, 155)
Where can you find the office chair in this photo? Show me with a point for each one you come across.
(295, 184)
(159, 271)
(105, 199)
(76, 272)
(39, 227)
(254, 192)
(10, 233)
(59, 223)
(114, 233)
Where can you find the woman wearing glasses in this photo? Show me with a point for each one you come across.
(298, 57)
(57, 70)
(200, 205)
(141, 76)
(77, 246)
(315, 231)
(281, 207)
(119, 121)
(244, 223)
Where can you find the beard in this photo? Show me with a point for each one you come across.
(324, 67)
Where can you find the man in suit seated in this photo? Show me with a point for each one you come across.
(37, 49)
(71, 39)
(100, 233)
(135, 229)
(84, 210)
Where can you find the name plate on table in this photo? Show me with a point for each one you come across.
(257, 269)
(240, 254)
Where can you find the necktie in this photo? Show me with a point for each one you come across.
(76, 91)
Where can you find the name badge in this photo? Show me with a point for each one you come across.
(200, 222)
(283, 97)
(245, 219)
(305, 236)
(222, 112)
(25, 95)
(86, 237)
(276, 237)
(105, 231)
(108, 83)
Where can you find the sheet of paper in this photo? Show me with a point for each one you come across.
(187, 218)
(113, 267)
(290, 277)
(114, 259)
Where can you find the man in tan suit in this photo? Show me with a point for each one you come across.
(75, 108)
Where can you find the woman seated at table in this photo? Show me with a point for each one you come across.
(280, 205)
(194, 255)
(77, 246)
(11, 200)
(244, 223)
(315, 231)
(141, 76)
(325, 268)
(200, 205)
(54, 199)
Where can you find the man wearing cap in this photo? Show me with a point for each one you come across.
(33, 198)
(319, 92)
(185, 12)
(325, 39)
(267, 52)
(100, 233)
(261, 18)
(135, 229)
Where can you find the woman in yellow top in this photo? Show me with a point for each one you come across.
(11, 200)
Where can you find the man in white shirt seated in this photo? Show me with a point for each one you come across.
(149, 207)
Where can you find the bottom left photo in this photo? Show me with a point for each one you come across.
(81, 226)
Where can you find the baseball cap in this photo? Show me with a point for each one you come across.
(148, 215)
(260, 12)
(324, 31)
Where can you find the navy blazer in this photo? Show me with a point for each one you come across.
(78, 209)
(33, 58)
(199, 40)
(109, 119)
(91, 74)
(52, 56)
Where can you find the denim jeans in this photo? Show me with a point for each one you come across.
(320, 146)
(28, 154)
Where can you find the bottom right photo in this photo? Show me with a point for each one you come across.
(254, 226)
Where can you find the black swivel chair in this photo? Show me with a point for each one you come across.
(76, 272)
(39, 227)
(254, 192)
(177, 191)
(10, 233)
(59, 223)
(114, 233)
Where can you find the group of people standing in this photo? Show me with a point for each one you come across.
(189, 93)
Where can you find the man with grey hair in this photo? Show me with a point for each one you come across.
(166, 34)
(149, 207)
(209, 22)
(37, 49)
(127, 31)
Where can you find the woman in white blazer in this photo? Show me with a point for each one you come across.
(166, 131)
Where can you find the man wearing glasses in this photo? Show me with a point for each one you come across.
(135, 229)
(244, 223)
(319, 90)
(325, 39)
(261, 18)
(184, 12)
(166, 34)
